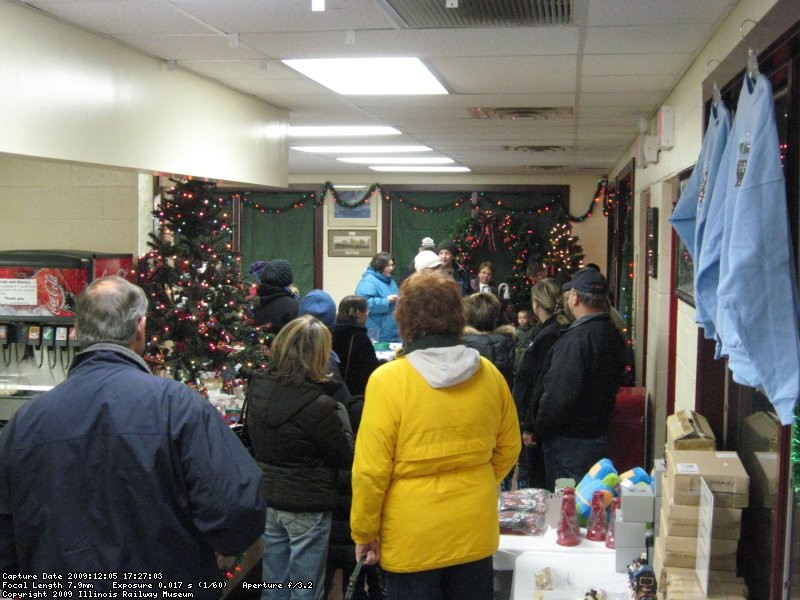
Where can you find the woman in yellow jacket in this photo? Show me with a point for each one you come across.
(438, 433)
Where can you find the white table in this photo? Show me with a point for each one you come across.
(575, 569)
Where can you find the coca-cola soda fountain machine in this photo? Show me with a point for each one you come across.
(38, 291)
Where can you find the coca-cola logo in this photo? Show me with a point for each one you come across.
(55, 294)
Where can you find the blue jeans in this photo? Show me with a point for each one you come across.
(295, 551)
(467, 581)
(572, 457)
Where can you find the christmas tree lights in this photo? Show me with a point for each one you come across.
(199, 320)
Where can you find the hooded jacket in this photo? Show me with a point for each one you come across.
(498, 346)
(438, 433)
(117, 470)
(376, 287)
(299, 440)
(276, 307)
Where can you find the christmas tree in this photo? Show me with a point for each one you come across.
(198, 324)
(563, 253)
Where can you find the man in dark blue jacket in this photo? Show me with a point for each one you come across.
(121, 476)
(579, 383)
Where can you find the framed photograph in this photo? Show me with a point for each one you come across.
(350, 213)
(352, 242)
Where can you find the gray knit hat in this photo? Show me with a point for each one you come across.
(277, 272)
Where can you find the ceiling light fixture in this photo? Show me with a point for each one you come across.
(360, 149)
(341, 130)
(410, 169)
(318, 5)
(370, 76)
(348, 186)
(396, 160)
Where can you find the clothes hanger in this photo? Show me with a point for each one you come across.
(752, 66)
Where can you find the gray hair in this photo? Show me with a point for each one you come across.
(109, 310)
(592, 300)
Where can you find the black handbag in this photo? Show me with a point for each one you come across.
(240, 429)
(351, 584)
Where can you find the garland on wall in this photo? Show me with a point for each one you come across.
(601, 198)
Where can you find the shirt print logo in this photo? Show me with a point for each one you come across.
(741, 163)
(703, 182)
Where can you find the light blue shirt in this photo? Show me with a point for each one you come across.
(757, 306)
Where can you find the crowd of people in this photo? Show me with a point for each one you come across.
(116, 470)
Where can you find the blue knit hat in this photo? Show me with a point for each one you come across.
(256, 267)
(319, 304)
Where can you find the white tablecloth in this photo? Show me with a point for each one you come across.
(575, 569)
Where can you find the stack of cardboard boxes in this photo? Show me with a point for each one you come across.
(758, 443)
(691, 456)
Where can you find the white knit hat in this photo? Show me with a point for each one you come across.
(426, 260)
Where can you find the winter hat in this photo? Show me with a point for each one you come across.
(588, 281)
(277, 272)
(448, 245)
(319, 304)
(425, 260)
(427, 244)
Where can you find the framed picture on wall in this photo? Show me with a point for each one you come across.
(352, 242)
(351, 212)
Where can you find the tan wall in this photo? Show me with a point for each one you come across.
(71, 95)
(57, 205)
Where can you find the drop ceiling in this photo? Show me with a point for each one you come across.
(536, 86)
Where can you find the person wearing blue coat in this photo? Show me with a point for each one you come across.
(118, 471)
(380, 290)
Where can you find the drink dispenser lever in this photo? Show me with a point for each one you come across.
(49, 343)
(34, 343)
(5, 344)
(61, 342)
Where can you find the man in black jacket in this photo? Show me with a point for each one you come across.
(581, 376)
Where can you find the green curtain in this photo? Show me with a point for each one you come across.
(410, 226)
(288, 234)
(438, 221)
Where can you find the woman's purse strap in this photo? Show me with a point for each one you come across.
(349, 353)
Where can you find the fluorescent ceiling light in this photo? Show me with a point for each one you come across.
(341, 130)
(396, 160)
(349, 187)
(318, 5)
(370, 76)
(361, 149)
(411, 169)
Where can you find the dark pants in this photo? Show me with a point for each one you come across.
(572, 457)
(468, 581)
(536, 470)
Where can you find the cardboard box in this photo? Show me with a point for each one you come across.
(636, 503)
(688, 545)
(688, 430)
(719, 583)
(684, 554)
(764, 479)
(682, 520)
(759, 433)
(663, 573)
(722, 471)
